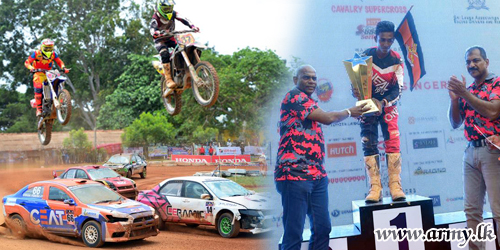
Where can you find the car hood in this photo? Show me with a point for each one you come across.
(114, 165)
(254, 201)
(127, 206)
(119, 181)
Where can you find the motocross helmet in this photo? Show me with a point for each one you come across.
(47, 47)
(165, 8)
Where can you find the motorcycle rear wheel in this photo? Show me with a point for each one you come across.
(207, 93)
(173, 102)
(64, 113)
(45, 132)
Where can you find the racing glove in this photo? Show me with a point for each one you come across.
(65, 70)
(196, 29)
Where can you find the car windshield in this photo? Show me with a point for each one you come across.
(119, 159)
(101, 173)
(94, 193)
(226, 188)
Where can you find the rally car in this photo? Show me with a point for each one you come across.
(80, 208)
(127, 164)
(104, 175)
(200, 200)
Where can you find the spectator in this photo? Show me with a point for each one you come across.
(211, 151)
(201, 150)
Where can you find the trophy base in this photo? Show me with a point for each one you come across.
(370, 104)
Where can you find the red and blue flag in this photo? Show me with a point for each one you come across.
(407, 37)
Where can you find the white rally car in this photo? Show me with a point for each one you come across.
(202, 200)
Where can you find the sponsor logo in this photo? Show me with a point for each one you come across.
(421, 171)
(90, 213)
(368, 9)
(187, 160)
(341, 149)
(477, 4)
(452, 140)
(367, 30)
(461, 198)
(337, 213)
(436, 200)
(40, 217)
(346, 179)
(10, 202)
(427, 85)
(425, 143)
(423, 119)
(229, 160)
(324, 90)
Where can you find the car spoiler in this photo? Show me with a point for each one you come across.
(56, 173)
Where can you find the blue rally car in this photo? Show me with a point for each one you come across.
(79, 208)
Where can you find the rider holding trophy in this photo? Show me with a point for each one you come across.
(42, 59)
(163, 21)
(386, 86)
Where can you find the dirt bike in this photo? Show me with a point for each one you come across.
(55, 104)
(202, 77)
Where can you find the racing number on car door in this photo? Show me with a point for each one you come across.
(171, 192)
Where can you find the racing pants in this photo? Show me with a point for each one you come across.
(38, 79)
(389, 124)
(162, 48)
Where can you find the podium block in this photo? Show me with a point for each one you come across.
(415, 212)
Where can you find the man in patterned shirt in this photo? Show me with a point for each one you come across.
(299, 173)
(387, 84)
(478, 108)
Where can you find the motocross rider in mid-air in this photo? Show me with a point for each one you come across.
(42, 59)
(162, 22)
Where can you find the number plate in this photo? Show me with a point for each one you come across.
(185, 39)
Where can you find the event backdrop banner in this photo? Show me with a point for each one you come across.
(431, 150)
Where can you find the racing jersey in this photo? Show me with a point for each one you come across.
(387, 78)
(489, 90)
(38, 61)
(161, 24)
(302, 146)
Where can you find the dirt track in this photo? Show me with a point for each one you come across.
(175, 237)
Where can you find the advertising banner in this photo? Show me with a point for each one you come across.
(228, 151)
(253, 150)
(158, 151)
(192, 158)
(211, 159)
(231, 158)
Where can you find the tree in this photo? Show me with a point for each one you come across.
(148, 130)
(202, 135)
(91, 37)
(77, 145)
(138, 91)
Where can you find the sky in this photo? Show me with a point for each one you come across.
(230, 25)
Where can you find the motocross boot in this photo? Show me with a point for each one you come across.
(373, 169)
(394, 170)
(168, 76)
(38, 103)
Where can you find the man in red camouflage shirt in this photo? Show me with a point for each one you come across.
(299, 173)
(478, 108)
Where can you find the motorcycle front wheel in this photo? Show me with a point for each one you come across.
(64, 112)
(173, 102)
(206, 91)
(45, 132)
